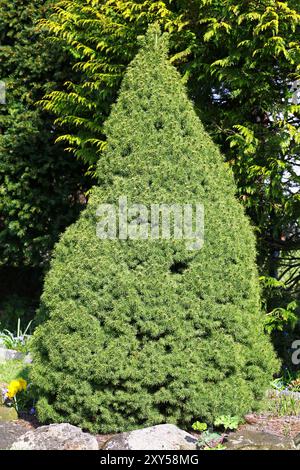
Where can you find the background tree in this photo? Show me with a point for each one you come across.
(239, 59)
(41, 187)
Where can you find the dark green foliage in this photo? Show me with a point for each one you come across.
(40, 185)
(20, 290)
(129, 340)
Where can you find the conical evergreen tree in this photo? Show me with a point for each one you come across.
(142, 332)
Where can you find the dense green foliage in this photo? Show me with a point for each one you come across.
(142, 332)
(239, 58)
(40, 185)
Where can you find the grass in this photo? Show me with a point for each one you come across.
(14, 369)
(282, 406)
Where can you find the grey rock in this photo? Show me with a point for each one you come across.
(161, 437)
(297, 441)
(9, 433)
(258, 440)
(7, 414)
(3, 386)
(56, 437)
(9, 354)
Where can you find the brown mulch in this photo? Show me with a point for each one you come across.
(285, 426)
(29, 421)
(23, 423)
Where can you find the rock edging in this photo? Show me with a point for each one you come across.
(56, 437)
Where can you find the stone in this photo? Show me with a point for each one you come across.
(9, 354)
(161, 437)
(9, 433)
(297, 441)
(56, 437)
(7, 414)
(257, 440)
(3, 386)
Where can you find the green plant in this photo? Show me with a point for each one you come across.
(283, 405)
(280, 318)
(13, 394)
(278, 384)
(209, 440)
(282, 307)
(19, 341)
(10, 373)
(289, 381)
(228, 422)
(18, 394)
(287, 430)
(141, 332)
(217, 447)
(197, 426)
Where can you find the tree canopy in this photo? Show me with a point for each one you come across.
(40, 186)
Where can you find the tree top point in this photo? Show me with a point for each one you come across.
(154, 39)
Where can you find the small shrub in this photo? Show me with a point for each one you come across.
(200, 427)
(210, 440)
(229, 423)
(137, 332)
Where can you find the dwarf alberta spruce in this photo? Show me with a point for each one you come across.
(142, 332)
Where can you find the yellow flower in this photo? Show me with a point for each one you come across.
(13, 389)
(23, 384)
(16, 386)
